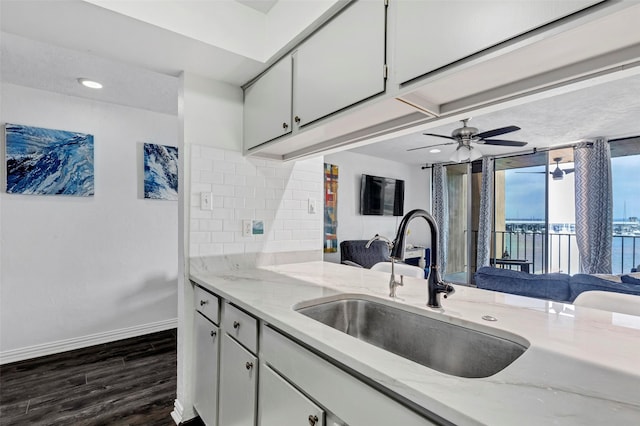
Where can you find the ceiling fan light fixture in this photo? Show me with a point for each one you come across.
(465, 153)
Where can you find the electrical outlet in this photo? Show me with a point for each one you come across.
(247, 230)
(312, 206)
(206, 201)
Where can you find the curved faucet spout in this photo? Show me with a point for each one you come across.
(435, 284)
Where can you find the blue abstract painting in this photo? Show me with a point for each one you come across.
(48, 162)
(160, 172)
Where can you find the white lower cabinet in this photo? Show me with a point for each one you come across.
(206, 372)
(238, 385)
(282, 404)
(295, 385)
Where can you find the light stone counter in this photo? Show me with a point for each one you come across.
(582, 367)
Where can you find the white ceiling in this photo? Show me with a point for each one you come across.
(262, 6)
(609, 109)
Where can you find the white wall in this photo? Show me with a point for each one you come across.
(354, 226)
(78, 271)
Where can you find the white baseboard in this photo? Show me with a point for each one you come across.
(176, 414)
(35, 351)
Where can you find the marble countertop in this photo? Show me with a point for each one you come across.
(582, 366)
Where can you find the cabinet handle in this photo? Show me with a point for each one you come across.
(285, 126)
(297, 119)
(203, 302)
(249, 365)
(313, 419)
(236, 325)
(213, 333)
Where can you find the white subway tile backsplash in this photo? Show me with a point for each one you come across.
(224, 166)
(246, 169)
(291, 204)
(256, 182)
(201, 164)
(255, 203)
(249, 188)
(234, 203)
(231, 225)
(234, 156)
(274, 182)
(197, 213)
(222, 237)
(282, 235)
(245, 191)
(211, 177)
(211, 249)
(211, 153)
(242, 214)
(266, 171)
(222, 213)
(224, 190)
(200, 237)
(210, 225)
(232, 248)
(197, 188)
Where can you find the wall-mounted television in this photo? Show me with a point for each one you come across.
(380, 196)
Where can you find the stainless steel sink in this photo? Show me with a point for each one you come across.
(446, 347)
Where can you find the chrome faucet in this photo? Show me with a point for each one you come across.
(435, 284)
(393, 284)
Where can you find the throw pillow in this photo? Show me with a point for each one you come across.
(629, 279)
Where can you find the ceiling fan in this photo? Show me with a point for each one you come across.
(558, 173)
(464, 135)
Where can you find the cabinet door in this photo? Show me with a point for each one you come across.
(342, 63)
(431, 34)
(238, 369)
(206, 370)
(282, 404)
(267, 105)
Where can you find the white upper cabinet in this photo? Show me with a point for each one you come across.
(430, 34)
(267, 105)
(342, 63)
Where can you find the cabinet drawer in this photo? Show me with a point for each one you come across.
(241, 326)
(207, 304)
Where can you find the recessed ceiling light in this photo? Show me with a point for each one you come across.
(90, 83)
(434, 150)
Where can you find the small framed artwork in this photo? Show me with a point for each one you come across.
(160, 172)
(48, 162)
(257, 227)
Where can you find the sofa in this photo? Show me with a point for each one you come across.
(558, 287)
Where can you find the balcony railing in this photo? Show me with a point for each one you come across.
(563, 251)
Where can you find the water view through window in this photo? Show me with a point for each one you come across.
(525, 213)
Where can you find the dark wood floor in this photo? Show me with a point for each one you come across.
(128, 382)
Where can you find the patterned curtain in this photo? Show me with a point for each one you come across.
(486, 213)
(594, 206)
(441, 214)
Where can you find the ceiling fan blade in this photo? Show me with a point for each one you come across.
(503, 142)
(439, 136)
(431, 146)
(496, 132)
(567, 171)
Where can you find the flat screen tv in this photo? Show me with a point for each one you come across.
(380, 196)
